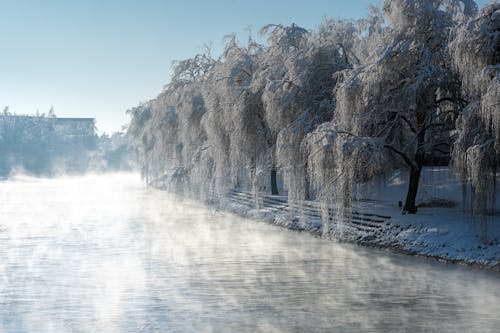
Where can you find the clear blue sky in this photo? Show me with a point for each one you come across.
(97, 58)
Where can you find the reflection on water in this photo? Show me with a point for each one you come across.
(104, 254)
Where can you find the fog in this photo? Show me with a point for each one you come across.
(42, 145)
(105, 253)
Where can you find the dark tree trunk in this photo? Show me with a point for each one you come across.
(410, 206)
(274, 184)
(494, 189)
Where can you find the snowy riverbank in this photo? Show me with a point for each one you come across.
(445, 234)
(441, 229)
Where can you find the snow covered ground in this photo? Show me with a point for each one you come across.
(446, 233)
(443, 230)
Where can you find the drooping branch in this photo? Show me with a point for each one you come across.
(405, 157)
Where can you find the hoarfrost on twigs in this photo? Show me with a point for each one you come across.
(414, 83)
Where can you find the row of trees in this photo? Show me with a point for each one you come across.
(42, 145)
(47, 145)
(414, 83)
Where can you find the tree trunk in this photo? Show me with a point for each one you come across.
(274, 184)
(410, 206)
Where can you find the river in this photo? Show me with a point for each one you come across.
(105, 254)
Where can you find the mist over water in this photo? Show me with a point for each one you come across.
(105, 254)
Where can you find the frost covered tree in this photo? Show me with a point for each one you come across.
(296, 80)
(388, 111)
(476, 57)
(43, 145)
(167, 129)
(235, 132)
(137, 129)
(331, 109)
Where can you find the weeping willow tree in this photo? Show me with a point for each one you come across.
(237, 134)
(414, 83)
(168, 131)
(476, 154)
(389, 111)
(297, 81)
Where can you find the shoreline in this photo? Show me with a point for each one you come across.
(404, 234)
(396, 248)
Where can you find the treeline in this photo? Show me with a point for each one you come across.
(47, 145)
(415, 83)
(42, 145)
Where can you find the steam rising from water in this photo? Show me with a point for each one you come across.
(103, 253)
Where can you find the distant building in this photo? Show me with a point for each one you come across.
(40, 145)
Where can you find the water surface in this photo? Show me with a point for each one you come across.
(105, 254)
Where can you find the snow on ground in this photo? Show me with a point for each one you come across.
(445, 233)
(449, 234)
